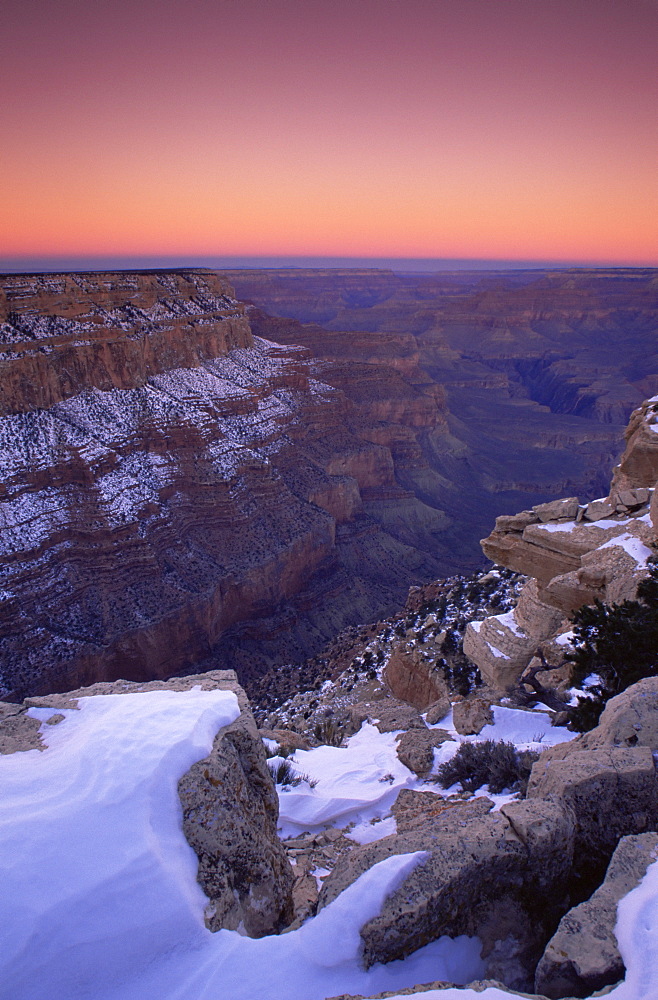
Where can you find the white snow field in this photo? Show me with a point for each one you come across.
(99, 896)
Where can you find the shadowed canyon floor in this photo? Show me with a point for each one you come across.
(177, 491)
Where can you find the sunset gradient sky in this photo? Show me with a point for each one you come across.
(415, 128)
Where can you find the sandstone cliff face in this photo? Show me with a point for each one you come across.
(188, 495)
(63, 333)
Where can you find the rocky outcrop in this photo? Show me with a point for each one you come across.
(486, 874)
(583, 956)
(639, 463)
(412, 675)
(576, 555)
(230, 812)
(229, 804)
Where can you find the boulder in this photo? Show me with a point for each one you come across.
(416, 748)
(230, 812)
(413, 678)
(583, 956)
(287, 739)
(611, 792)
(471, 715)
(557, 510)
(598, 510)
(480, 877)
(389, 715)
(437, 711)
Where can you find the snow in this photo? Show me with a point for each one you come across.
(565, 527)
(509, 621)
(525, 729)
(100, 898)
(497, 652)
(355, 784)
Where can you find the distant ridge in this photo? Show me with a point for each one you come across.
(32, 264)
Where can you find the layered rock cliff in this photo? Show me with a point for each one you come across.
(175, 492)
(539, 370)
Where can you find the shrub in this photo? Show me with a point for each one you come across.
(329, 732)
(618, 644)
(494, 763)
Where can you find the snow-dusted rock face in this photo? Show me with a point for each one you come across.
(229, 804)
(62, 333)
(583, 954)
(166, 477)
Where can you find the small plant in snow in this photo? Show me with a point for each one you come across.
(284, 774)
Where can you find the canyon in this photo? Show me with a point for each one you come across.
(189, 482)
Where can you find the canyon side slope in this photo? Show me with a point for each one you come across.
(176, 491)
(187, 484)
(539, 371)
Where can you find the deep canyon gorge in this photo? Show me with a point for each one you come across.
(204, 471)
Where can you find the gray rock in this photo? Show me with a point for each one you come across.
(388, 715)
(611, 791)
(471, 715)
(437, 711)
(597, 510)
(416, 748)
(230, 812)
(18, 732)
(557, 510)
(583, 956)
(480, 878)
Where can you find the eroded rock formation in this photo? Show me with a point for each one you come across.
(575, 555)
(175, 492)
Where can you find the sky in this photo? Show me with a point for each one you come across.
(515, 129)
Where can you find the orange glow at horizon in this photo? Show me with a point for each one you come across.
(423, 128)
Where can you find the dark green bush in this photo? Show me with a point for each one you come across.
(619, 644)
(494, 763)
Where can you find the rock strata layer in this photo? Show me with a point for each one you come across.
(176, 493)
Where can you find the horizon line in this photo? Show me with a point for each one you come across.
(43, 263)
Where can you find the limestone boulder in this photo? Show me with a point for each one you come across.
(414, 677)
(611, 792)
(416, 748)
(583, 955)
(287, 739)
(388, 714)
(479, 877)
(471, 715)
(437, 711)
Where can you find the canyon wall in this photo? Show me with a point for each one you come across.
(537, 371)
(177, 492)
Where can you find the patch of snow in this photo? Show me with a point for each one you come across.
(366, 833)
